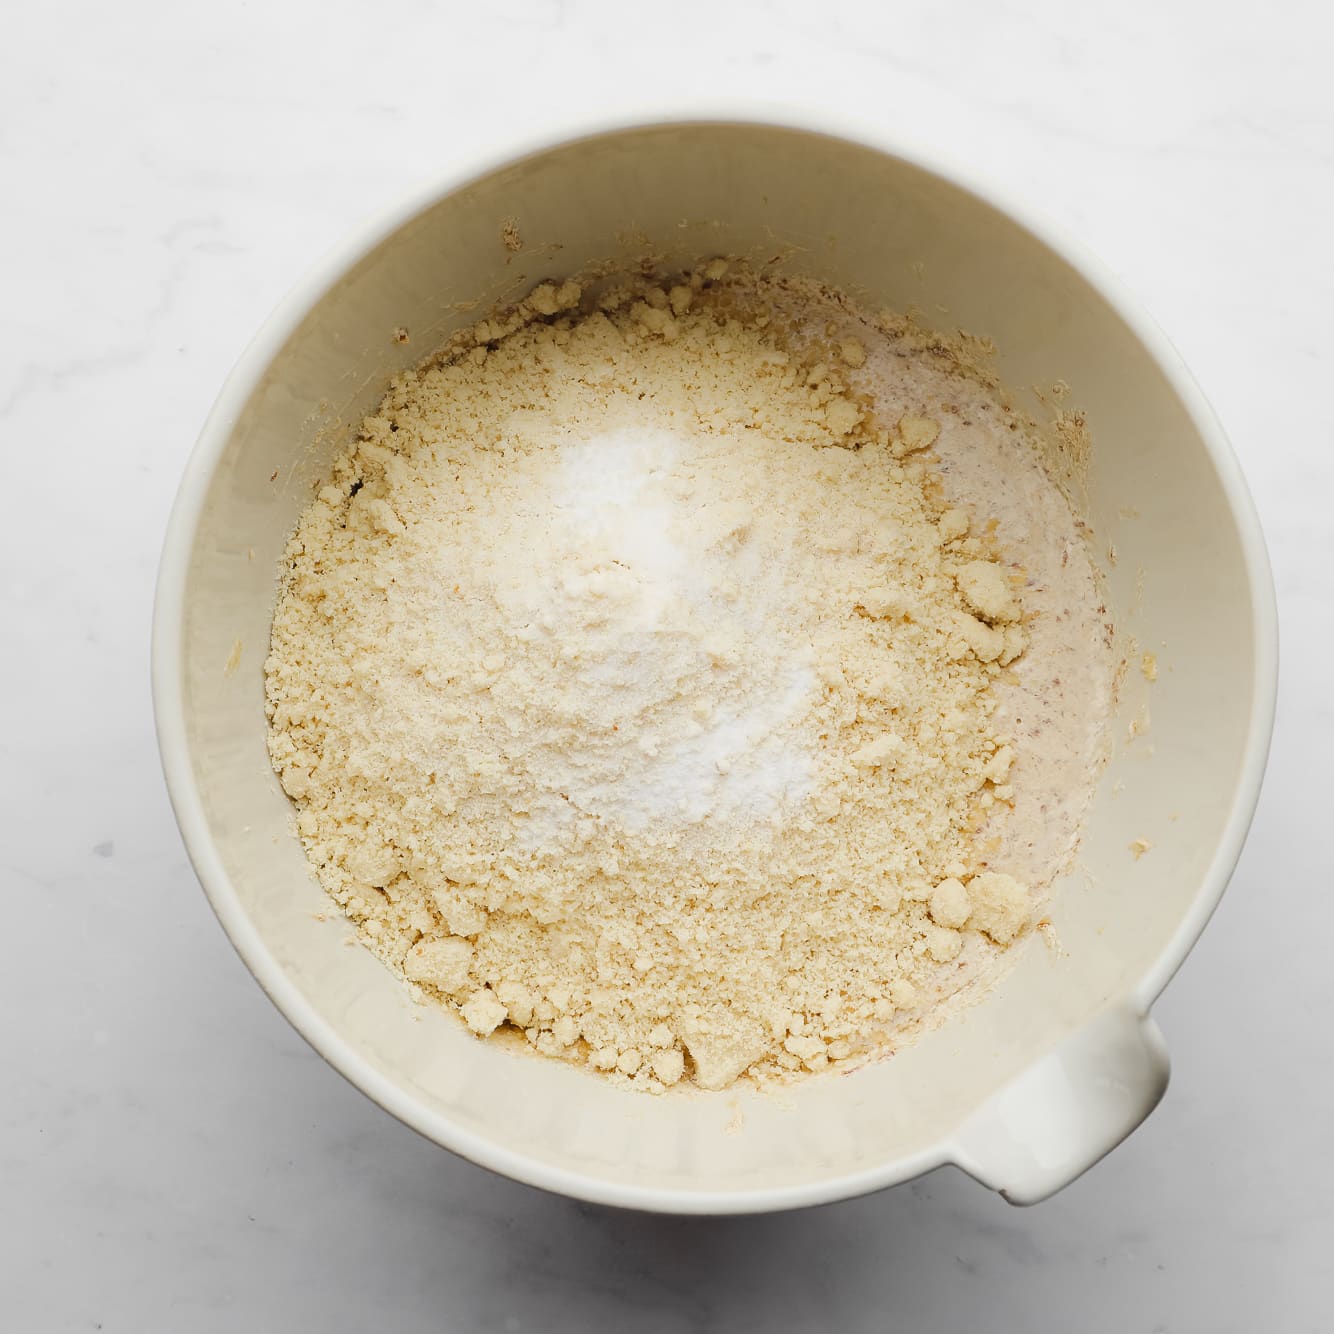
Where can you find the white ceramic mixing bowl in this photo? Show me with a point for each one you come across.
(1023, 1090)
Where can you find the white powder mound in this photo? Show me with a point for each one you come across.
(637, 686)
(628, 573)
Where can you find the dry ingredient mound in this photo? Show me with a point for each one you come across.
(634, 686)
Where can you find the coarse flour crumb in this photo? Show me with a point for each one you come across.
(642, 685)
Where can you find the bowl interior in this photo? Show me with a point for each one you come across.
(897, 235)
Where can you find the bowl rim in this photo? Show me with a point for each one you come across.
(273, 334)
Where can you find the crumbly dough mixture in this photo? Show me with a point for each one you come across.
(640, 687)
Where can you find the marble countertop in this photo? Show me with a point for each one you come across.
(172, 1156)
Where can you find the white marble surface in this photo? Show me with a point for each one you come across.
(172, 1157)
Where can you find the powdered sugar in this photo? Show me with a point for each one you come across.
(632, 582)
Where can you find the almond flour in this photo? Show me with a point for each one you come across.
(641, 686)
